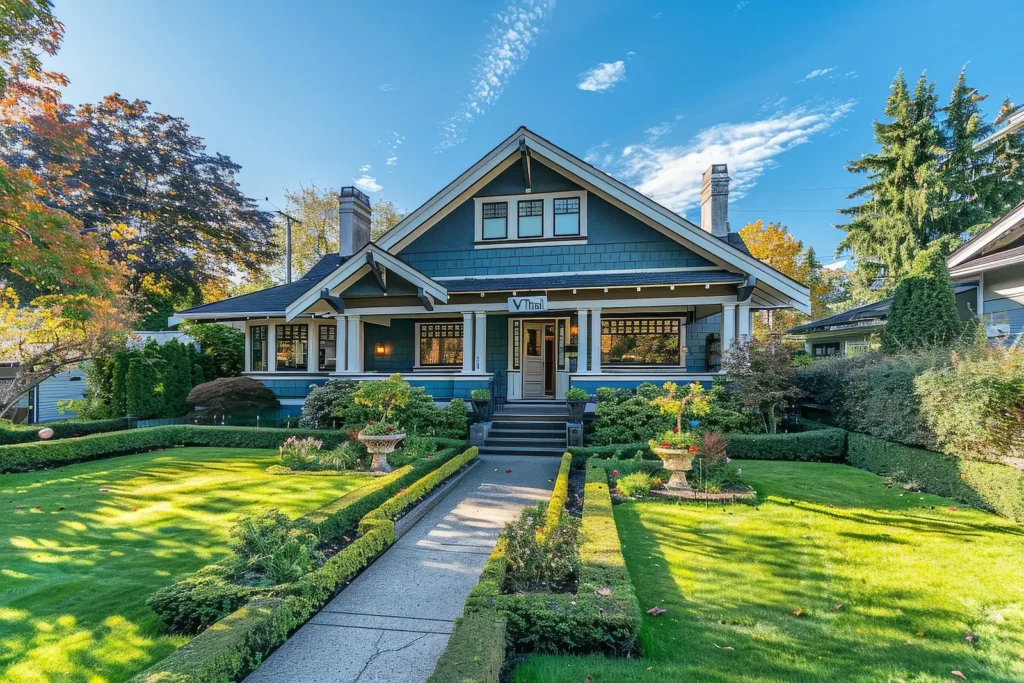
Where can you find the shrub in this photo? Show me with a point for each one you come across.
(200, 599)
(581, 454)
(475, 652)
(988, 486)
(760, 374)
(577, 394)
(624, 468)
(559, 494)
(317, 409)
(142, 398)
(453, 420)
(12, 434)
(538, 558)
(681, 441)
(821, 445)
(269, 545)
(622, 417)
(923, 310)
(39, 455)
(300, 454)
(691, 403)
(384, 396)
(344, 457)
(480, 395)
(223, 349)
(233, 394)
(636, 485)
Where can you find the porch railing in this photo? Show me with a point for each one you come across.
(499, 389)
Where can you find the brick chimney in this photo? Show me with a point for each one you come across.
(354, 223)
(714, 201)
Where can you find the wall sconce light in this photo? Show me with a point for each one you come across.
(379, 350)
(574, 331)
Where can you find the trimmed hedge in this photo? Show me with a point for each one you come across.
(62, 429)
(35, 456)
(581, 454)
(238, 643)
(395, 507)
(476, 650)
(562, 622)
(559, 495)
(984, 485)
(820, 445)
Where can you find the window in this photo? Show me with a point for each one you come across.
(259, 348)
(292, 347)
(821, 350)
(641, 341)
(531, 218)
(328, 348)
(440, 344)
(495, 216)
(567, 216)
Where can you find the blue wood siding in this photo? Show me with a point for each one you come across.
(497, 343)
(696, 341)
(544, 178)
(399, 341)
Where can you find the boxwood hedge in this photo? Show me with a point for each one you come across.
(62, 429)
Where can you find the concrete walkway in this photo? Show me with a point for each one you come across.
(394, 621)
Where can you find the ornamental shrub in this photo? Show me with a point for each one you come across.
(269, 546)
(923, 310)
(539, 561)
(142, 399)
(233, 395)
(384, 396)
(636, 485)
(453, 420)
(762, 377)
(318, 408)
(300, 454)
(577, 394)
(622, 417)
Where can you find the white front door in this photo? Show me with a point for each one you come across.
(533, 360)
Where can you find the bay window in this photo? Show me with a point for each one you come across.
(440, 344)
(292, 347)
(641, 341)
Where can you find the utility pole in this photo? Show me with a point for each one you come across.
(288, 243)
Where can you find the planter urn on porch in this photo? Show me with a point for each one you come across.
(379, 446)
(483, 405)
(576, 403)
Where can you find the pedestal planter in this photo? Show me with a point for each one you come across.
(678, 462)
(576, 409)
(379, 446)
(484, 409)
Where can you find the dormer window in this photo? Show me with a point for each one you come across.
(531, 219)
(495, 216)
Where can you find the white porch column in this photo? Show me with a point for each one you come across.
(340, 337)
(355, 344)
(728, 326)
(271, 346)
(313, 348)
(595, 347)
(480, 357)
(467, 342)
(582, 347)
(248, 347)
(746, 327)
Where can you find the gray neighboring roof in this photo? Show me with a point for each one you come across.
(272, 300)
(584, 280)
(864, 316)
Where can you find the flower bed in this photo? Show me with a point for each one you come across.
(35, 456)
(235, 645)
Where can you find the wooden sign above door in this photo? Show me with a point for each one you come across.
(527, 304)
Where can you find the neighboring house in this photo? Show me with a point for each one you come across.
(856, 330)
(531, 272)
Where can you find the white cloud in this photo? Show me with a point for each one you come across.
(600, 155)
(602, 77)
(659, 130)
(656, 16)
(512, 33)
(365, 168)
(391, 160)
(387, 87)
(671, 175)
(368, 183)
(816, 73)
(850, 75)
(740, 5)
(630, 54)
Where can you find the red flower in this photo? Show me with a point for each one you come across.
(692, 449)
(372, 422)
(675, 430)
(387, 430)
(665, 444)
(615, 473)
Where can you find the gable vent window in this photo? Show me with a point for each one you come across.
(531, 218)
(495, 215)
(567, 216)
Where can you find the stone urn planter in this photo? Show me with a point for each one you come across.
(678, 462)
(484, 409)
(379, 446)
(576, 409)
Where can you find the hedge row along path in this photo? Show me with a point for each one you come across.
(394, 621)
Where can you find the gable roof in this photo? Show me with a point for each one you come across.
(727, 252)
(999, 234)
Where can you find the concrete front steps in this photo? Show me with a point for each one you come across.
(528, 428)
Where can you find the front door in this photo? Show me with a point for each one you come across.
(533, 361)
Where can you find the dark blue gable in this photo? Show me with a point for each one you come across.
(615, 240)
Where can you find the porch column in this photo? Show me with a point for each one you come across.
(340, 336)
(746, 328)
(728, 326)
(467, 342)
(595, 347)
(271, 346)
(481, 342)
(248, 347)
(313, 348)
(582, 347)
(355, 344)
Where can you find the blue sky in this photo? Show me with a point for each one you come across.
(403, 96)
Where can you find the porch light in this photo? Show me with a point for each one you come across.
(707, 286)
(672, 287)
(638, 289)
(574, 291)
(605, 290)
(379, 350)
(514, 293)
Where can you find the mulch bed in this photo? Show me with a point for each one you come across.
(574, 505)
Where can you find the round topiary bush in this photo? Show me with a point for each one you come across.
(232, 395)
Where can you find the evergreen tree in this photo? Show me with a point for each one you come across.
(923, 311)
(1007, 166)
(119, 383)
(142, 398)
(176, 378)
(896, 219)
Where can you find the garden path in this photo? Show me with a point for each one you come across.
(394, 621)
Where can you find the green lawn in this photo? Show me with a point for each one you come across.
(75, 573)
(825, 536)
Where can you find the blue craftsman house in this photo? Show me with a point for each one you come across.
(530, 273)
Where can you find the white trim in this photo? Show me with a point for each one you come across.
(512, 239)
(467, 342)
(972, 268)
(351, 269)
(619, 193)
(987, 237)
(595, 334)
(567, 305)
(479, 342)
(583, 340)
(643, 376)
(570, 273)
